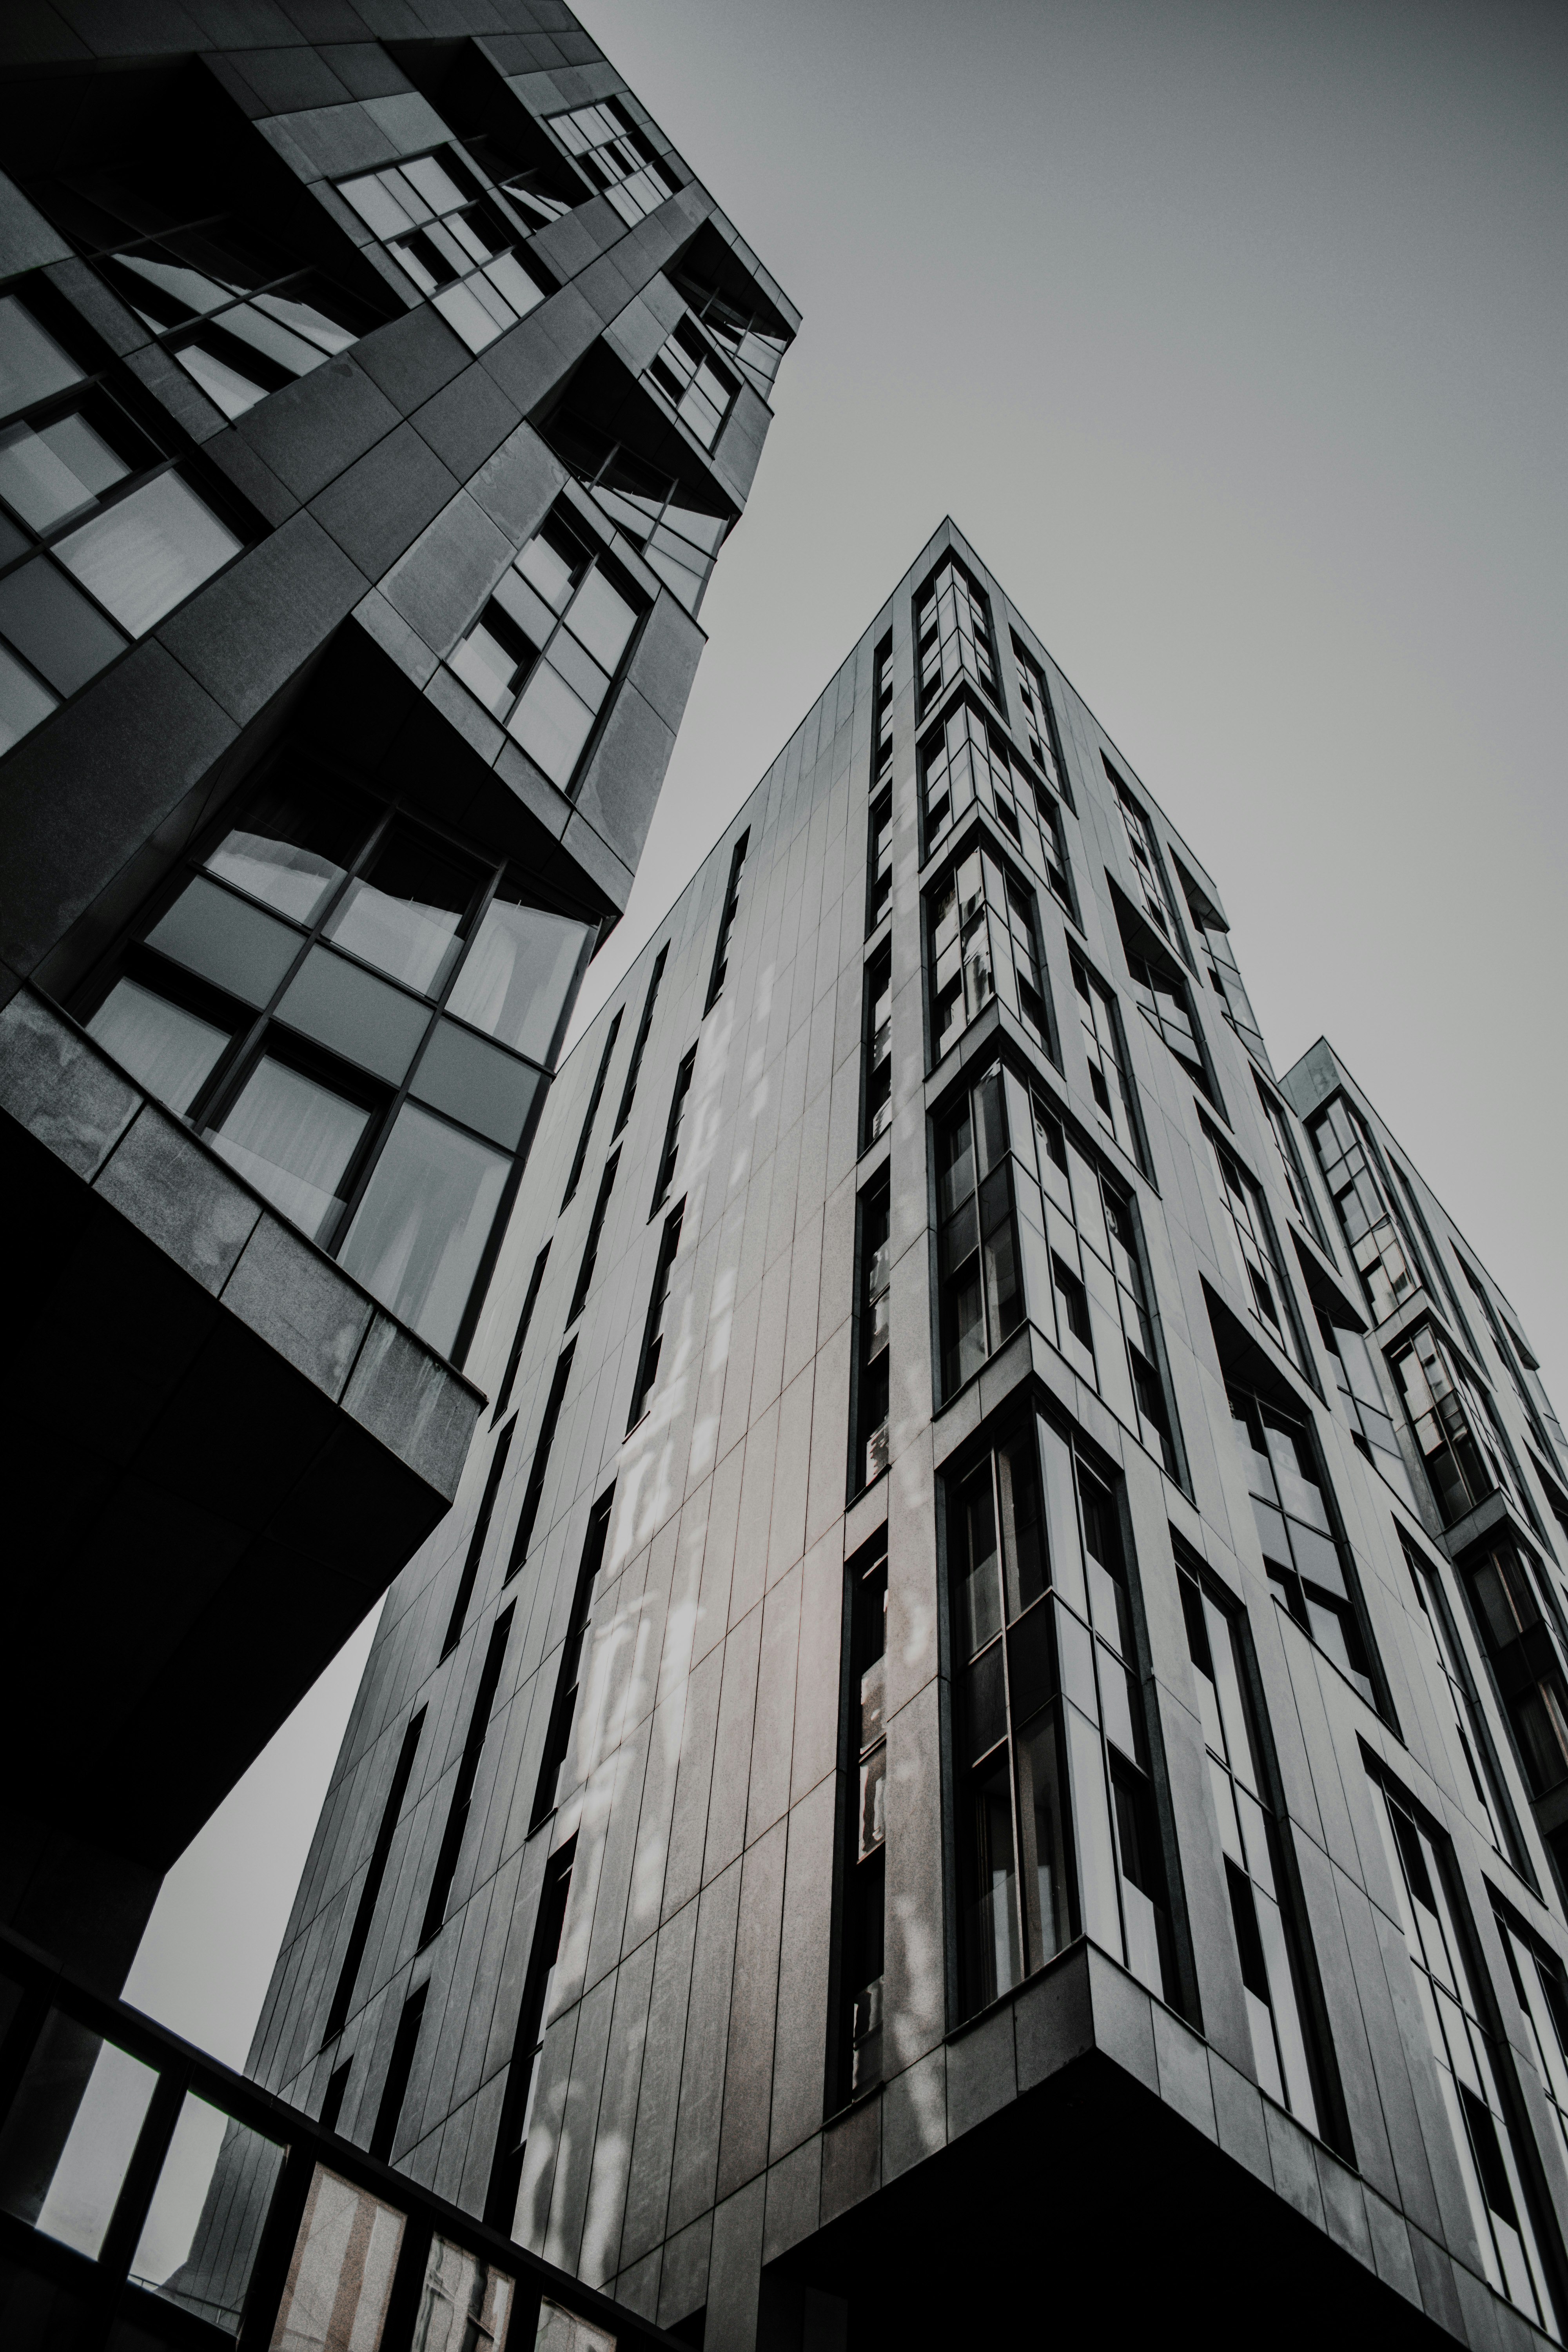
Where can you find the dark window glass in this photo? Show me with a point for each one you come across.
(1517, 1619)
(702, 392)
(589, 1115)
(857, 2025)
(533, 1493)
(1039, 725)
(455, 245)
(296, 841)
(1454, 1426)
(674, 1127)
(618, 159)
(528, 2047)
(879, 860)
(591, 1247)
(568, 1675)
(1307, 1562)
(869, 1444)
(370, 1887)
(1110, 1081)
(726, 924)
(653, 1332)
(639, 1043)
(952, 635)
(1258, 1269)
(1389, 1269)
(877, 1048)
(463, 1781)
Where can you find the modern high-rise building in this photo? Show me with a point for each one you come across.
(986, 1742)
(377, 388)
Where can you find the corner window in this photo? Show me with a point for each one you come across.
(544, 652)
(1255, 1254)
(678, 527)
(615, 157)
(1455, 1428)
(969, 759)
(1224, 975)
(701, 392)
(1161, 998)
(952, 635)
(868, 1448)
(1039, 725)
(1109, 1080)
(447, 234)
(1470, 1737)
(1153, 891)
(1307, 1562)
(1389, 1270)
(877, 1048)
(1282, 1135)
(753, 334)
(1361, 1402)
(1520, 1631)
(100, 537)
(1058, 1828)
(983, 944)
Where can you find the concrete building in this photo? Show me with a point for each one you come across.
(985, 1736)
(379, 387)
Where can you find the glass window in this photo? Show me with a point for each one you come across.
(952, 635)
(32, 365)
(1469, 2060)
(405, 913)
(970, 759)
(882, 706)
(872, 1335)
(169, 1051)
(227, 941)
(25, 701)
(1388, 1267)
(877, 1048)
(984, 944)
(51, 472)
(615, 157)
(863, 1763)
(464, 2303)
(448, 236)
(702, 392)
(418, 1235)
(756, 338)
(720, 973)
(1362, 1402)
(1161, 998)
(293, 1139)
(1297, 1190)
(1039, 725)
(653, 1330)
(1256, 1256)
(1514, 1610)
(670, 1156)
(339, 2277)
(54, 627)
(364, 1019)
(879, 890)
(71, 2133)
(299, 836)
(561, 2330)
(145, 554)
(1538, 1981)
(639, 1043)
(1307, 1564)
(199, 2242)
(1154, 892)
(1454, 1424)
(1477, 1776)
(679, 527)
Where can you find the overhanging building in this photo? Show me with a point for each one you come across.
(986, 1732)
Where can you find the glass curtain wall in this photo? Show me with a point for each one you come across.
(953, 636)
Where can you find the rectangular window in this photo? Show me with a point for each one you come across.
(874, 1263)
(1163, 999)
(882, 707)
(1508, 1358)
(591, 1247)
(1468, 2054)
(726, 924)
(1225, 978)
(968, 759)
(1059, 1831)
(669, 1158)
(547, 648)
(375, 1872)
(533, 1493)
(1538, 1981)
(678, 525)
(568, 1674)
(1270, 1944)
(952, 635)
(1039, 725)
(1477, 1775)
(464, 1778)
(1028, 1221)
(615, 157)
(984, 944)
(701, 390)
(1255, 1254)
(482, 1529)
(528, 2045)
(1516, 1617)
(639, 1043)
(520, 1337)
(746, 326)
(1307, 1562)
(1389, 1269)
(1454, 1424)
(855, 2043)
(1110, 1079)
(581, 1154)
(653, 1330)
(1153, 890)
(878, 860)
(1361, 1402)
(400, 2066)
(877, 1047)
(1293, 1173)
(447, 236)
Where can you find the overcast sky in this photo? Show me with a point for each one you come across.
(1233, 336)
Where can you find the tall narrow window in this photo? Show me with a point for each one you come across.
(1307, 1562)
(669, 1158)
(1542, 1993)
(1038, 722)
(879, 859)
(1058, 1828)
(449, 239)
(1153, 890)
(1469, 2061)
(856, 2056)
(482, 1529)
(533, 1493)
(1388, 1268)
(871, 1359)
(1520, 1631)
(726, 924)
(564, 1706)
(1283, 1136)
(1109, 1080)
(1270, 1944)
(528, 2047)
(1163, 999)
(1508, 1358)
(520, 1337)
(984, 944)
(1478, 1769)
(882, 707)
(701, 392)
(375, 1872)
(1261, 1276)
(464, 1780)
(639, 1043)
(877, 1047)
(545, 651)
(952, 635)
(967, 760)
(591, 1247)
(1455, 1427)
(581, 1154)
(1361, 1402)
(658, 1307)
(400, 2066)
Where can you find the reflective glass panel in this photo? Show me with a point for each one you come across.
(24, 703)
(57, 470)
(297, 842)
(517, 972)
(339, 2277)
(149, 552)
(209, 2210)
(32, 363)
(226, 939)
(561, 2330)
(417, 1236)
(71, 2133)
(464, 2305)
(550, 723)
(291, 1138)
(167, 1049)
(403, 914)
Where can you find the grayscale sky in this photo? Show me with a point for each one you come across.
(1234, 337)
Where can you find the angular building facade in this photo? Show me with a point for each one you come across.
(378, 389)
(987, 1734)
